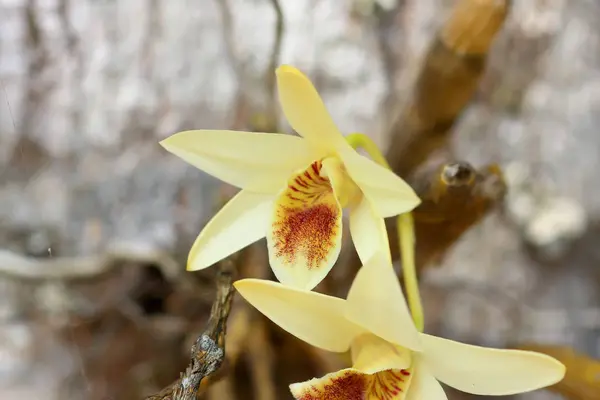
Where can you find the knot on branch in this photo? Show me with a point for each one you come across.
(207, 356)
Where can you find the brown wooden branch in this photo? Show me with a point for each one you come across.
(446, 83)
(455, 196)
(208, 352)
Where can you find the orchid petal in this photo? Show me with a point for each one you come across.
(352, 384)
(375, 302)
(386, 191)
(368, 232)
(340, 385)
(306, 113)
(242, 221)
(424, 386)
(310, 316)
(260, 162)
(485, 371)
(346, 191)
(305, 234)
(371, 354)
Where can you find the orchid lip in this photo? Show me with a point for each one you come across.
(305, 231)
(306, 220)
(352, 384)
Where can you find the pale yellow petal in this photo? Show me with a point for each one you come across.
(376, 302)
(386, 191)
(484, 371)
(351, 384)
(242, 221)
(310, 316)
(304, 236)
(371, 354)
(260, 162)
(424, 386)
(346, 191)
(306, 113)
(368, 232)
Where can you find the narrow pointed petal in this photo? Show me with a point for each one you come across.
(242, 221)
(387, 192)
(368, 232)
(371, 354)
(484, 371)
(260, 162)
(424, 386)
(310, 316)
(352, 384)
(376, 302)
(305, 234)
(306, 113)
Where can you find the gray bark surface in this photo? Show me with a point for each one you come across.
(89, 87)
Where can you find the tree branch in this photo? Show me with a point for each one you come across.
(208, 352)
(84, 267)
(446, 83)
(455, 196)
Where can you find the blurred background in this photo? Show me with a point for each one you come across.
(96, 219)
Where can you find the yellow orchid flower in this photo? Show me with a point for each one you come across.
(294, 189)
(391, 359)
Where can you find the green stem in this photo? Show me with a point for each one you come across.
(361, 140)
(406, 235)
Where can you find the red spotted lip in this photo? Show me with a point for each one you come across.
(307, 219)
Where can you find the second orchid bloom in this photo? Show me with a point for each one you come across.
(391, 359)
(294, 190)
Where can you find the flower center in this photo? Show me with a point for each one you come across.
(389, 366)
(307, 218)
(346, 191)
(391, 384)
(305, 234)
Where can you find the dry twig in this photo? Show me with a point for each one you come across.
(208, 352)
(85, 267)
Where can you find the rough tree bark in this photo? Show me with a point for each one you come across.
(87, 88)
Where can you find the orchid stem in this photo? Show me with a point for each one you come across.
(406, 235)
(361, 140)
